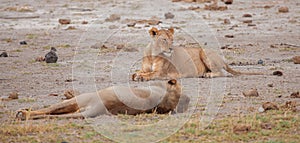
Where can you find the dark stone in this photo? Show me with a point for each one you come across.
(23, 43)
(3, 54)
(278, 73)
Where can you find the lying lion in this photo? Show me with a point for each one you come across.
(164, 61)
(161, 97)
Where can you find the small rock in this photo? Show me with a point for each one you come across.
(241, 128)
(53, 94)
(266, 126)
(51, 57)
(84, 22)
(260, 62)
(270, 85)
(70, 80)
(251, 24)
(71, 28)
(23, 43)
(113, 17)
(247, 15)
(229, 36)
(267, 6)
(169, 15)
(13, 95)
(113, 27)
(295, 95)
(96, 46)
(269, 106)
(40, 59)
(247, 21)
(64, 21)
(120, 46)
(228, 1)
(71, 93)
(215, 7)
(251, 93)
(292, 21)
(226, 21)
(261, 109)
(283, 9)
(193, 8)
(278, 73)
(4, 54)
(131, 24)
(296, 60)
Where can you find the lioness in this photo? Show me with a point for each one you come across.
(161, 97)
(164, 61)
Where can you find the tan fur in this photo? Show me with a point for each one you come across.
(161, 97)
(164, 61)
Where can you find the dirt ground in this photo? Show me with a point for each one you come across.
(96, 51)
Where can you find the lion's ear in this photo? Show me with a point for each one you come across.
(153, 32)
(172, 82)
(171, 30)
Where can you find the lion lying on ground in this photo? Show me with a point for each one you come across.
(163, 61)
(161, 98)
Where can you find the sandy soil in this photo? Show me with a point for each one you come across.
(85, 65)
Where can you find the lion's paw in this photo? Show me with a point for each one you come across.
(139, 77)
(207, 75)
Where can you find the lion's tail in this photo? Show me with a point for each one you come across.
(234, 72)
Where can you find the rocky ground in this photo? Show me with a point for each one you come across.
(100, 43)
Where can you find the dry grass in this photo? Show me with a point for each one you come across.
(284, 126)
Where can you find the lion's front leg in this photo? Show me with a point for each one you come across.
(146, 76)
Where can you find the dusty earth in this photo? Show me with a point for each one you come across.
(96, 51)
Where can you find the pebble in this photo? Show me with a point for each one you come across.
(228, 1)
(13, 95)
(227, 21)
(278, 73)
(247, 21)
(131, 24)
(229, 36)
(247, 15)
(251, 93)
(283, 9)
(113, 27)
(113, 17)
(251, 24)
(84, 22)
(169, 15)
(64, 21)
(260, 62)
(4, 54)
(296, 60)
(23, 43)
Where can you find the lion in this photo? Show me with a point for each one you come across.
(159, 97)
(162, 60)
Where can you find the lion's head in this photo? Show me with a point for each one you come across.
(162, 40)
